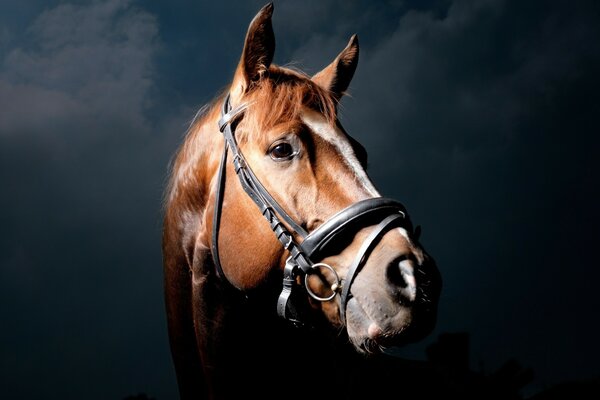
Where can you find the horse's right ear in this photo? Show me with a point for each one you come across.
(259, 48)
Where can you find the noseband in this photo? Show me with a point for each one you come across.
(384, 212)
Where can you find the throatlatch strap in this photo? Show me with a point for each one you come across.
(217, 216)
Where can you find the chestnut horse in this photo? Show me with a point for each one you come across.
(285, 269)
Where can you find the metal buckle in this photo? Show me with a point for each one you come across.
(290, 239)
(228, 117)
(289, 280)
(238, 162)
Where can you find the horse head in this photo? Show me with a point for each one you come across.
(272, 222)
(303, 207)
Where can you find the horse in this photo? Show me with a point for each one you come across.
(285, 269)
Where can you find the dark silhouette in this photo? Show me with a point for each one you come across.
(446, 373)
(588, 389)
(139, 396)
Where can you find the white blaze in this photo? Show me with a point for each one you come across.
(332, 135)
(319, 125)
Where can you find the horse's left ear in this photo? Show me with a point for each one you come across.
(336, 76)
(257, 55)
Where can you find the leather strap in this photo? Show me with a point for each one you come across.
(217, 216)
(354, 218)
(367, 247)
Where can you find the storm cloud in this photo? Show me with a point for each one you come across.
(80, 217)
(481, 117)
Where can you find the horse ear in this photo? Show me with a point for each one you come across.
(336, 76)
(259, 48)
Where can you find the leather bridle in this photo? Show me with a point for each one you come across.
(384, 212)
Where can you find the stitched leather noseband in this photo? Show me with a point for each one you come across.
(385, 213)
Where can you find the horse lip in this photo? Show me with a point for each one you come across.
(374, 331)
(375, 336)
(371, 335)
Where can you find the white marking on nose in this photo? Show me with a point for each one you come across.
(407, 272)
(404, 234)
(319, 125)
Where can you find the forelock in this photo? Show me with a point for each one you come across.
(281, 95)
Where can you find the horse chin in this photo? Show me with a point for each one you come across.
(375, 333)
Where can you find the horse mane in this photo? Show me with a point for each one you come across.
(278, 97)
(180, 169)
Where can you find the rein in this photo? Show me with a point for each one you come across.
(384, 212)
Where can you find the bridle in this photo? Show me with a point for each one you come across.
(384, 212)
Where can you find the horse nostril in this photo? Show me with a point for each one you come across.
(401, 276)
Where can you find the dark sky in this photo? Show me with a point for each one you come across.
(480, 116)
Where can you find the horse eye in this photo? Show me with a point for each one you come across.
(282, 151)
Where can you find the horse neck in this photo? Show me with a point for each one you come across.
(195, 165)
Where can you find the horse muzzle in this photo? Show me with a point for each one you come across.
(393, 306)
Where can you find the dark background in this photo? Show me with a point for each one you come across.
(480, 116)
